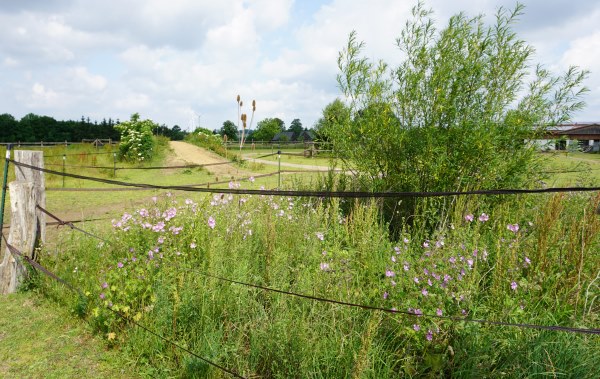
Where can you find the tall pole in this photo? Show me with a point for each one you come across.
(279, 159)
(64, 161)
(4, 187)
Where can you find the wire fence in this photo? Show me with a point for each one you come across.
(19, 255)
(187, 166)
(78, 154)
(320, 194)
(205, 184)
(56, 223)
(354, 305)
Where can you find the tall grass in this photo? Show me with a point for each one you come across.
(84, 158)
(545, 271)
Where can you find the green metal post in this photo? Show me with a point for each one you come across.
(114, 165)
(64, 161)
(279, 159)
(8, 147)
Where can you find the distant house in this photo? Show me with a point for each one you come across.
(283, 137)
(304, 136)
(560, 137)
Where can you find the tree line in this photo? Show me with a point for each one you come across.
(36, 128)
(265, 129)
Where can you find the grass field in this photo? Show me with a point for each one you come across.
(569, 169)
(40, 339)
(85, 205)
(316, 248)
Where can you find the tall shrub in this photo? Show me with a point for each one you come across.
(136, 138)
(456, 114)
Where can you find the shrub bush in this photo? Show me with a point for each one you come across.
(454, 115)
(136, 139)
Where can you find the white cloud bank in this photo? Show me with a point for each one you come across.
(170, 59)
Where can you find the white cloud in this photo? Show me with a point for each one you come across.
(583, 51)
(10, 62)
(133, 101)
(43, 97)
(88, 80)
(167, 59)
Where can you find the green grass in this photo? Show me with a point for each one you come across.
(585, 169)
(85, 205)
(272, 335)
(40, 339)
(315, 161)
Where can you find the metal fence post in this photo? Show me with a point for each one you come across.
(279, 159)
(64, 161)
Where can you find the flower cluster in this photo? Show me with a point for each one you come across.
(136, 139)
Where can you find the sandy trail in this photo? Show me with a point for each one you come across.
(190, 154)
(285, 164)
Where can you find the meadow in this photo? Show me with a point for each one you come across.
(170, 259)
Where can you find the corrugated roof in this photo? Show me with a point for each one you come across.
(585, 129)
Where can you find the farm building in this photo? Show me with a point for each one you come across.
(583, 135)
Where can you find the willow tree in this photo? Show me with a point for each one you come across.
(456, 113)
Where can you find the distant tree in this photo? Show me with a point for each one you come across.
(177, 134)
(230, 130)
(280, 123)
(203, 131)
(8, 128)
(296, 126)
(38, 128)
(267, 129)
(35, 128)
(335, 114)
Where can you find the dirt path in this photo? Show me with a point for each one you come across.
(295, 165)
(190, 154)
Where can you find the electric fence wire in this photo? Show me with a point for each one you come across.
(370, 307)
(18, 254)
(249, 178)
(321, 194)
(155, 167)
(70, 225)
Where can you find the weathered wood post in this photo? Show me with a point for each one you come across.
(27, 223)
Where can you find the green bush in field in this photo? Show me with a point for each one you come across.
(454, 115)
(136, 139)
(521, 263)
(208, 140)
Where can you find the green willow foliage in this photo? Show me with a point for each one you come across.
(455, 114)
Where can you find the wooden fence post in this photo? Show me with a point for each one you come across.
(27, 223)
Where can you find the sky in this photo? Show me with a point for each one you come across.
(183, 62)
